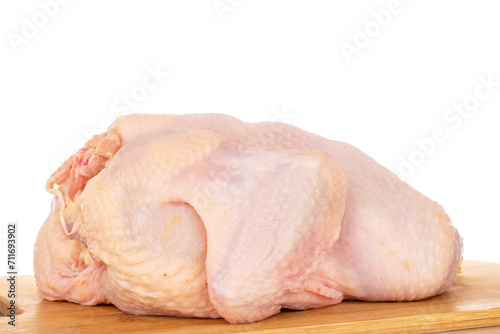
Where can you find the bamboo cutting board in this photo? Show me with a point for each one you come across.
(472, 302)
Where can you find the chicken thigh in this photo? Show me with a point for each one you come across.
(207, 216)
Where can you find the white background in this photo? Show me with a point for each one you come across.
(61, 83)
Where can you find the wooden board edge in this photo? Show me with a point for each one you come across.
(419, 324)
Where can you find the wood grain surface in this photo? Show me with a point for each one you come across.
(472, 302)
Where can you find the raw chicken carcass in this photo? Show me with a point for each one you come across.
(207, 216)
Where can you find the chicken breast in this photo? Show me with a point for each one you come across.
(207, 216)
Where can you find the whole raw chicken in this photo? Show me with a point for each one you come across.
(204, 215)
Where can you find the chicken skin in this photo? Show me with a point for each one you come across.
(204, 215)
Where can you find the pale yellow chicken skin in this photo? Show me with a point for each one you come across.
(207, 216)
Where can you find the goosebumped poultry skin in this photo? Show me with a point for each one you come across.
(206, 216)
